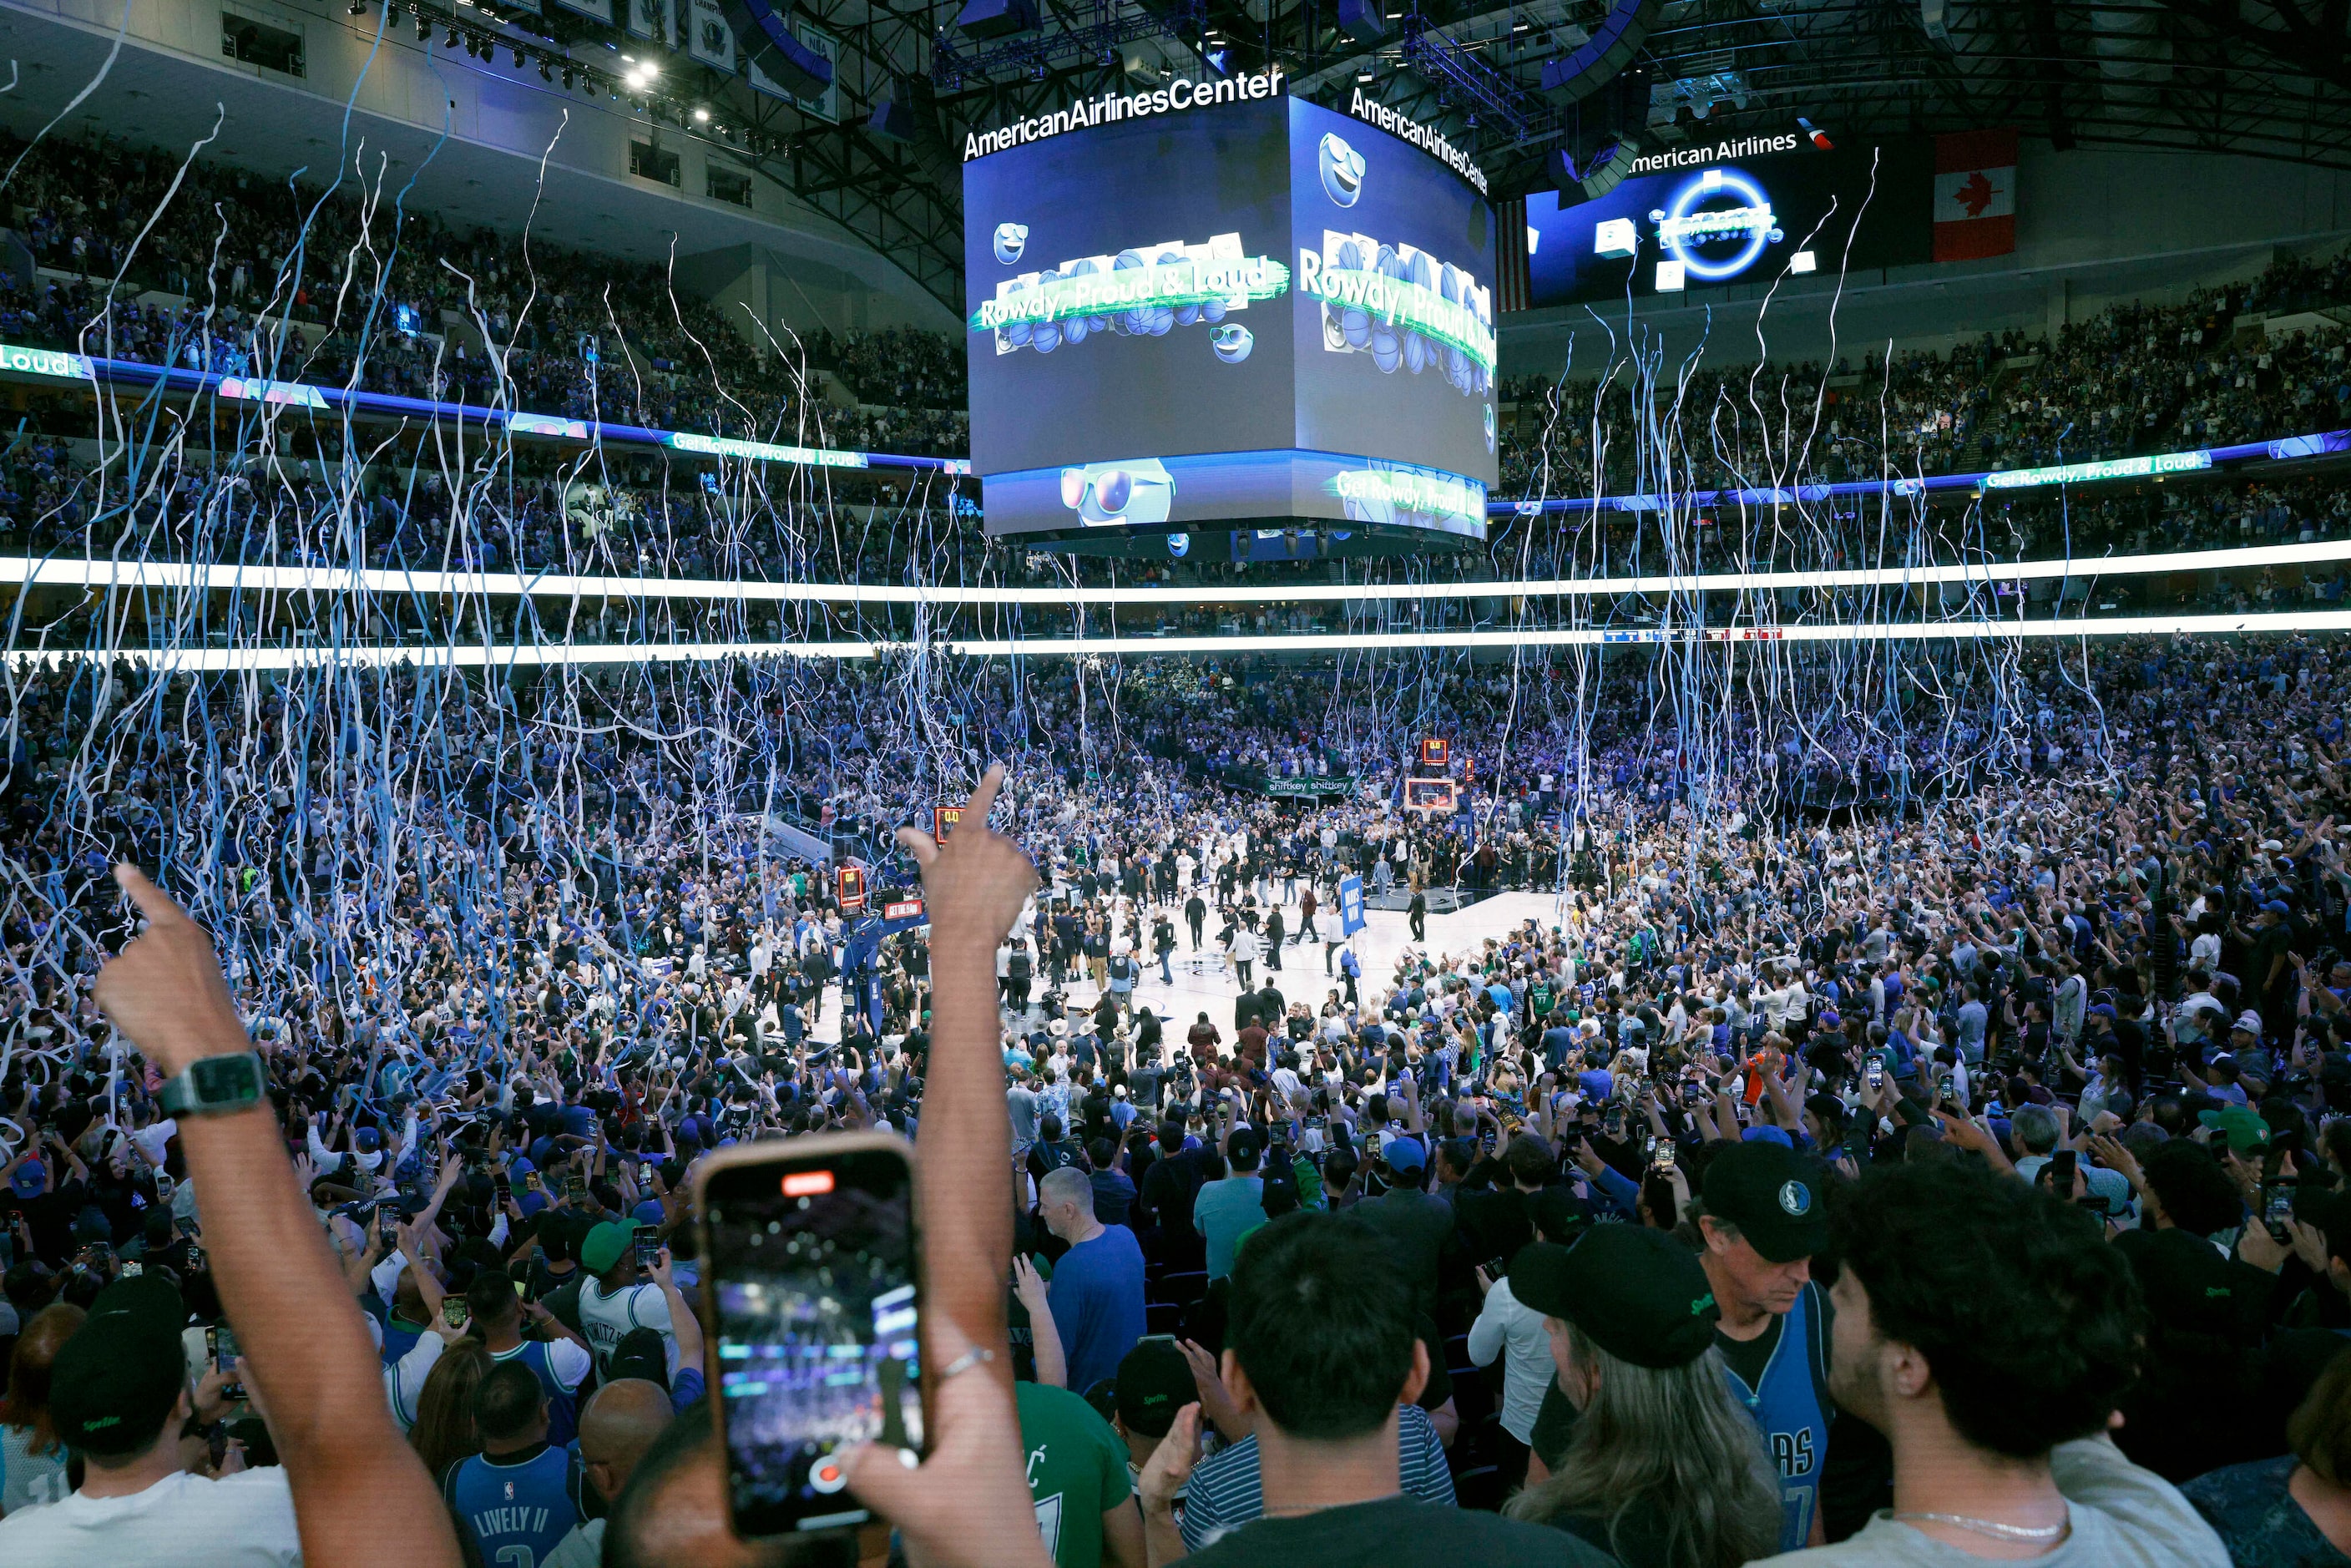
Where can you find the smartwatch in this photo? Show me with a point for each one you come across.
(216, 1085)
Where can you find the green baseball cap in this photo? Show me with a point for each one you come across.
(2244, 1129)
(605, 1244)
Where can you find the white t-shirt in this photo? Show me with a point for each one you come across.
(244, 1520)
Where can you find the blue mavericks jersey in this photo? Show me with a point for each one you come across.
(512, 1512)
(1791, 1409)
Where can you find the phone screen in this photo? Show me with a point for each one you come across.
(2277, 1206)
(2061, 1173)
(454, 1311)
(813, 1261)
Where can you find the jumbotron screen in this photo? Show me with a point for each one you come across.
(1215, 315)
(1743, 211)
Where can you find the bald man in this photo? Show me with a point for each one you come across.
(619, 1425)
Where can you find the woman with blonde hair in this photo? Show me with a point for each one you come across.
(32, 1460)
(1666, 1469)
(444, 1433)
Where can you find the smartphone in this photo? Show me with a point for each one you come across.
(454, 1311)
(648, 1244)
(131, 1268)
(812, 1263)
(2277, 1209)
(1661, 1156)
(505, 1185)
(220, 1343)
(2062, 1166)
(1877, 1072)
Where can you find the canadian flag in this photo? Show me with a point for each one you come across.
(1975, 194)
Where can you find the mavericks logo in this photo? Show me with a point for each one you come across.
(1795, 1199)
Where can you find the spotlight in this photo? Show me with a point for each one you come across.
(702, 116)
(450, 41)
(423, 27)
(546, 72)
(567, 79)
(356, 9)
(518, 59)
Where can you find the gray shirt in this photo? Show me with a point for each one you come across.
(2122, 1517)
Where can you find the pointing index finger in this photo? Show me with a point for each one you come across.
(151, 901)
(983, 799)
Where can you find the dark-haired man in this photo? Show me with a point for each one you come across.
(1321, 1348)
(560, 1364)
(1235, 1203)
(1763, 1217)
(1986, 1329)
(518, 1499)
(118, 1396)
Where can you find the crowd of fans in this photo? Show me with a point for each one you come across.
(1913, 1130)
(243, 277)
(1798, 1181)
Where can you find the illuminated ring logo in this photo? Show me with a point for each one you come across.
(1688, 196)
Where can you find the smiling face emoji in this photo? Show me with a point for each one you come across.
(1011, 239)
(1342, 171)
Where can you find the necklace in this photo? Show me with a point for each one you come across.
(1993, 1527)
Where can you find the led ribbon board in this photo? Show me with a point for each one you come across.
(2106, 469)
(761, 451)
(48, 363)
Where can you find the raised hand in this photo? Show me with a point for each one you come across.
(977, 882)
(166, 991)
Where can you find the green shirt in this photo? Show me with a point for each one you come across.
(1077, 1471)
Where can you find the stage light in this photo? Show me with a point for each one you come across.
(517, 56)
(567, 79)
(356, 9)
(423, 27)
(702, 116)
(546, 72)
(450, 41)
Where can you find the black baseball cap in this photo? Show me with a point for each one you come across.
(2189, 1286)
(1774, 1195)
(639, 1354)
(1154, 1382)
(115, 1382)
(1637, 1293)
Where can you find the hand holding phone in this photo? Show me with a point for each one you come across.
(811, 1264)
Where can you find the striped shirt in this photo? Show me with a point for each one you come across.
(1228, 1489)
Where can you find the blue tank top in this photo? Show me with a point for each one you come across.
(516, 1510)
(562, 1404)
(1794, 1418)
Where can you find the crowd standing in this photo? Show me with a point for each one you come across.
(1947, 1175)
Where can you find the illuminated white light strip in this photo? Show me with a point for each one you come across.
(191, 661)
(81, 573)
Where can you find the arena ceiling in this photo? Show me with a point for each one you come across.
(2268, 78)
